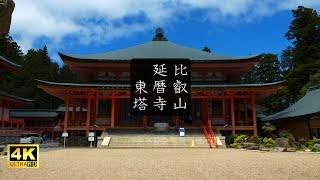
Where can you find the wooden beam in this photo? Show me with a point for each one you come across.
(254, 115)
(232, 115)
(66, 114)
(88, 116)
(113, 108)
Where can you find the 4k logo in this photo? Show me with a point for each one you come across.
(23, 156)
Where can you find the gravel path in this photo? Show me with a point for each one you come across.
(168, 164)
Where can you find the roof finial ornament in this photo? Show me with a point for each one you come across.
(159, 35)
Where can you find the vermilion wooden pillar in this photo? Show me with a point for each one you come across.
(209, 109)
(88, 116)
(66, 114)
(254, 119)
(113, 108)
(233, 120)
(94, 110)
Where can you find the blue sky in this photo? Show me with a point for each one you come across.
(233, 27)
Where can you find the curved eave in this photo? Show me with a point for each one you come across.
(127, 86)
(66, 57)
(8, 64)
(103, 86)
(14, 99)
(59, 89)
(308, 105)
(225, 86)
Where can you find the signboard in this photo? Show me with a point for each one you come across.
(181, 132)
(160, 87)
(90, 138)
(65, 134)
(91, 134)
(23, 156)
(106, 141)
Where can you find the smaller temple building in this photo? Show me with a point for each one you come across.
(302, 119)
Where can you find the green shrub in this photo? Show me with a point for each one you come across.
(302, 141)
(311, 144)
(230, 139)
(269, 129)
(268, 142)
(255, 139)
(289, 136)
(312, 148)
(234, 145)
(240, 138)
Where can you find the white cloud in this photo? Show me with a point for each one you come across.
(100, 21)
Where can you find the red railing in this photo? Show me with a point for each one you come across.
(209, 135)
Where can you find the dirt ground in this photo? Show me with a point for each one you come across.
(167, 164)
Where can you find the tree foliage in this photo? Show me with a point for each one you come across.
(266, 71)
(301, 60)
(314, 81)
(36, 64)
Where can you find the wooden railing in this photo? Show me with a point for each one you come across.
(209, 135)
(209, 139)
(11, 132)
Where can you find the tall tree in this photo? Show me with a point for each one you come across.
(11, 51)
(304, 31)
(302, 59)
(266, 71)
(314, 81)
(66, 75)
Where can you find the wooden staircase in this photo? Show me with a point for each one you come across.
(212, 139)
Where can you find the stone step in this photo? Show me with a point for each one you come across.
(148, 138)
(154, 142)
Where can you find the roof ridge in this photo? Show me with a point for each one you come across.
(314, 87)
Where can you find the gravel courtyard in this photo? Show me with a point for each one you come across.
(167, 164)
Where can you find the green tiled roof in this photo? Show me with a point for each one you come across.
(6, 61)
(14, 97)
(308, 105)
(158, 50)
(127, 86)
